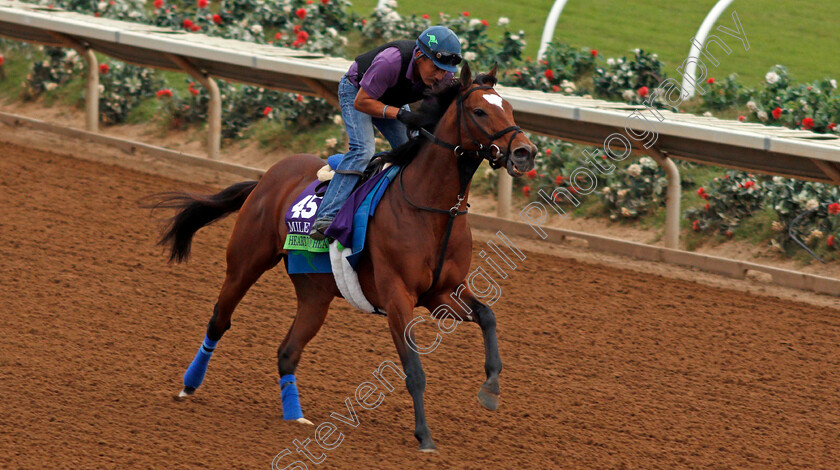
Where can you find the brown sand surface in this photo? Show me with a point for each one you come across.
(604, 367)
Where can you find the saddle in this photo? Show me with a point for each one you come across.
(325, 174)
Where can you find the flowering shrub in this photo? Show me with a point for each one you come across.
(729, 200)
(725, 93)
(817, 203)
(56, 69)
(557, 71)
(630, 81)
(813, 106)
(635, 190)
(122, 87)
(119, 10)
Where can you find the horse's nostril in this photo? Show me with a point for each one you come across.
(522, 153)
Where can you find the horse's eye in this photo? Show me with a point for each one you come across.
(479, 112)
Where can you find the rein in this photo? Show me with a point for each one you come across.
(466, 169)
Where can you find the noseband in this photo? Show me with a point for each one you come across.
(492, 153)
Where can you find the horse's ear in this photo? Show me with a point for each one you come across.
(492, 72)
(466, 76)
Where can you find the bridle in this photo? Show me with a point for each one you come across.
(468, 162)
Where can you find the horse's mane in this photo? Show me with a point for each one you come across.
(434, 106)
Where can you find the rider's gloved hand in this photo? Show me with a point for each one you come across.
(411, 120)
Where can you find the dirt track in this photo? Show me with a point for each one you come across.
(604, 367)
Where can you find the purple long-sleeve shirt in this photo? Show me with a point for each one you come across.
(384, 72)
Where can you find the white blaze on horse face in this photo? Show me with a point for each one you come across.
(494, 99)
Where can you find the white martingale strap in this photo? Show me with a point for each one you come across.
(347, 279)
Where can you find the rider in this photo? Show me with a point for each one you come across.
(376, 91)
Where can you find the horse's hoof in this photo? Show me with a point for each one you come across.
(429, 449)
(304, 421)
(488, 399)
(186, 392)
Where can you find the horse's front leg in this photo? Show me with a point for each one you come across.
(399, 311)
(488, 395)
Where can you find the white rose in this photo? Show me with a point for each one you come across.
(51, 86)
(751, 106)
(257, 29)
(101, 5)
(762, 115)
(331, 142)
(626, 212)
(634, 170)
(771, 77)
(606, 190)
(833, 83)
(647, 162)
(707, 114)
(391, 4)
(622, 192)
(470, 56)
(464, 43)
(393, 17)
(812, 204)
(332, 32)
(287, 9)
(610, 61)
(503, 21)
(343, 40)
(568, 84)
(514, 37)
(337, 120)
(101, 89)
(628, 95)
(817, 234)
(474, 22)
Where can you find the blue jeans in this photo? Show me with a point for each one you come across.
(360, 135)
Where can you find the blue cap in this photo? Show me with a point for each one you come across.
(441, 45)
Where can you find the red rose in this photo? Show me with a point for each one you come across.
(593, 52)
(2, 59)
(559, 180)
(707, 206)
(302, 36)
(701, 192)
(573, 190)
(103, 68)
(299, 98)
(832, 126)
(96, 14)
(278, 35)
(549, 74)
(158, 3)
(526, 190)
(217, 19)
(325, 1)
(531, 174)
(364, 21)
(696, 226)
(742, 118)
(188, 24)
(807, 123)
(267, 111)
(193, 91)
(729, 234)
(202, 3)
(777, 113)
(830, 241)
(195, 28)
(425, 17)
(485, 23)
(301, 13)
(643, 91)
(296, 29)
(164, 93)
(548, 152)
(465, 13)
(834, 208)
(555, 88)
(711, 80)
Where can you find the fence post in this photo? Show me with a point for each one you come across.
(672, 200)
(92, 88)
(214, 108)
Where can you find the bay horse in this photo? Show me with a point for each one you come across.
(418, 250)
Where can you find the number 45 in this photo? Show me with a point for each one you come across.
(305, 208)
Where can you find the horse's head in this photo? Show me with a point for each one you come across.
(487, 126)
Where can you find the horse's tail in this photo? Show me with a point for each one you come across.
(196, 211)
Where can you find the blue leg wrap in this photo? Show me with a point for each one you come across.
(291, 401)
(195, 372)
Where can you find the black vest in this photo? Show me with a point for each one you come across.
(403, 92)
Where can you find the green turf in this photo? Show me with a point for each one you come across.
(797, 34)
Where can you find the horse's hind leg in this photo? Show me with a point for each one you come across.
(313, 304)
(246, 262)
